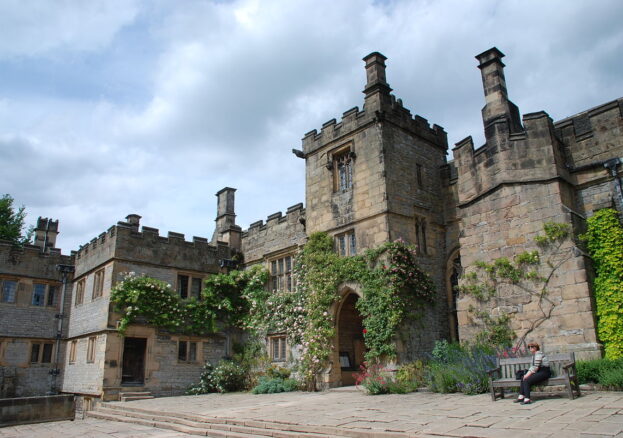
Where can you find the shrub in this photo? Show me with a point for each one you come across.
(411, 376)
(457, 368)
(227, 376)
(604, 372)
(377, 379)
(273, 385)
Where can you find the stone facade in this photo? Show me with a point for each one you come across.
(32, 297)
(376, 175)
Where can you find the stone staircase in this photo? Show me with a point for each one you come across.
(225, 427)
(135, 395)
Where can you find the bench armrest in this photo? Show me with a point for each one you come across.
(567, 366)
(493, 371)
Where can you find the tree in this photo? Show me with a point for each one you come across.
(12, 222)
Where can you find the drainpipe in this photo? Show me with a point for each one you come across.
(65, 270)
(612, 165)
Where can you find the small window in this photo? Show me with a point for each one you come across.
(187, 351)
(72, 351)
(34, 353)
(80, 291)
(278, 348)
(420, 236)
(52, 292)
(91, 350)
(46, 356)
(281, 274)
(189, 286)
(98, 284)
(418, 173)
(346, 244)
(41, 352)
(38, 294)
(9, 291)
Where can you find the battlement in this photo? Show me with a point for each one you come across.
(125, 241)
(30, 260)
(530, 155)
(293, 214)
(354, 120)
(582, 125)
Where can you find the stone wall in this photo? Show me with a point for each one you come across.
(279, 233)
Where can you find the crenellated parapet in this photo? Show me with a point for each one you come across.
(354, 120)
(125, 242)
(30, 261)
(591, 136)
(279, 232)
(531, 155)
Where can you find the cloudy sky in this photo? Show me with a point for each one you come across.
(111, 107)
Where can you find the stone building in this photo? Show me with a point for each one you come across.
(33, 300)
(376, 175)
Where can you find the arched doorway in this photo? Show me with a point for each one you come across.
(350, 343)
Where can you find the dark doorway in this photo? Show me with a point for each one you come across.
(133, 372)
(351, 344)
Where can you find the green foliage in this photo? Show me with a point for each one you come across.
(604, 240)
(606, 372)
(412, 375)
(457, 368)
(12, 222)
(268, 385)
(156, 303)
(227, 298)
(227, 376)
(486, 281)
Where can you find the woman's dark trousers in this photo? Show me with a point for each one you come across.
(541, 375)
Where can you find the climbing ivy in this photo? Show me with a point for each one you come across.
(604, 239)
(486, 280)
(393, 288)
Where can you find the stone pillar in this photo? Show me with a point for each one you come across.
(226, 228)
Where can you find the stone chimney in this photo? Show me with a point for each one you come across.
(226, 229)
(377, 89)
(45, 233)
(134, 220)
(496, 96)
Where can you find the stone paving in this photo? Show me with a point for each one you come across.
(420, 414)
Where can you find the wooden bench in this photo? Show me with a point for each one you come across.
(563, 373)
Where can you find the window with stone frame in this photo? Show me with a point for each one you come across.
(189, 286)
(346, 243)
(281, 274)
(98, 284)
(72, 351)
(41, 352)
(278, 348)
(9, 291)
(420, 236)
(341, 163)
(43, 294)
(418, 176)
(186, 351)
(91, 349)
(80, 290)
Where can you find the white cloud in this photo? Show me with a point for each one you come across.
(225, 90)
(35, 28)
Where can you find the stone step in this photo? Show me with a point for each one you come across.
(126, 398)
(215, 426)
(202, 431)
(133, 393)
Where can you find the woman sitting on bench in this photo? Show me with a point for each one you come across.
(537, 373)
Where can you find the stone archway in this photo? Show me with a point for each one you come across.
(350, 345)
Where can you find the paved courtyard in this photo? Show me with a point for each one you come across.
(421, 414)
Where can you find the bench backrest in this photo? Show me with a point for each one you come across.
(508, 367)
